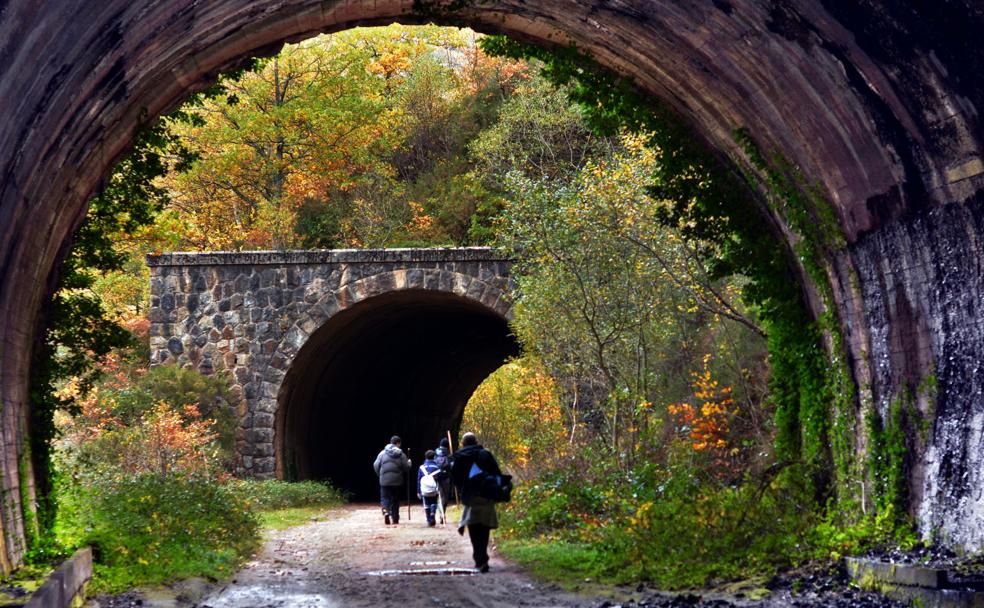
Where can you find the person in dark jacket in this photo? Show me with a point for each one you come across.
(391, 465)
(429, 468)
(442, 458)
(479, 515)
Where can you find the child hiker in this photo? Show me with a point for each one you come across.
(428, 488)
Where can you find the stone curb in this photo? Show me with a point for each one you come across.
(327, 256)
(912, 584)
(65, 583)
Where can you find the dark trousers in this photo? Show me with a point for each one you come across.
(479, 536)
(430, 507)
(446, 492)
(389, 498)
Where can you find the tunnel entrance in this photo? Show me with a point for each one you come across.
(401, 363)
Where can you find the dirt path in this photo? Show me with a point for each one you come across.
(348, 559)
(352, 560)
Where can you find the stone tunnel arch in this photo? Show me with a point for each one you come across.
(877, 102)
(402, 354)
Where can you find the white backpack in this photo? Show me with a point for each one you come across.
(428, 485)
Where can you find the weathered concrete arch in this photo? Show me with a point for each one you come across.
(281, 326)
(877, 102)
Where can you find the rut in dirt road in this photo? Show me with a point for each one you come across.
(353, 560)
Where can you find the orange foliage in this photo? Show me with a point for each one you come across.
(139, 326)
(168, 442)
(421, 224)
(492, 74)
(707, 423)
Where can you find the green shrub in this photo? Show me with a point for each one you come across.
(560, 505)
(148, 530)
(715, 534)
(273, 494)
(568, 563)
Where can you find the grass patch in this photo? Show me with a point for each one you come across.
(271, 494)
(281, 519)
(562, 562)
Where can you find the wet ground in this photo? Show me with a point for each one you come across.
(350, 559)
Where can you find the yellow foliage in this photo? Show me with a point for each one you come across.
(517, 414)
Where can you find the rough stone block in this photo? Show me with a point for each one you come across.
(415, 278)
(270, 391)
(296, 337)
(267, 404)
(461, 284)
(175, 346)
(263, 420)
(475, 290)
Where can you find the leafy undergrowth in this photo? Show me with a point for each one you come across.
(270, 494)
(149, 530)
(677, 535)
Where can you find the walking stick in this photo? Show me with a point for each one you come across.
(453, 487)
(408, 484)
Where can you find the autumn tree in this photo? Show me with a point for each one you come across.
(617, 305)
(312, 120)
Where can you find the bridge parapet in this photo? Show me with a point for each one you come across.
(247, 314)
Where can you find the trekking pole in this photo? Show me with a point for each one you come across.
(409, 472)
(453, 487)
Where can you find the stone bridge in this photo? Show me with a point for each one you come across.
(331, 352)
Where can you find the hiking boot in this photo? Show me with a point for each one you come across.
(386, 517)
(484, 568)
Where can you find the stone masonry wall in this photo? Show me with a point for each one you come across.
(249, 314)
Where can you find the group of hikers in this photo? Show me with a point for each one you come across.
(471, 471)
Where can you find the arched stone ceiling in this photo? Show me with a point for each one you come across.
(876, 101)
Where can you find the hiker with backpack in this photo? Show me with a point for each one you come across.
(473, 469)
(442, 458)
(428, 487)
(391, 465)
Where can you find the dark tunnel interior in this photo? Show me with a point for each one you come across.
(403, 363)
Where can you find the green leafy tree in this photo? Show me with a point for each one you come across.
(618, 306)
(539, 133)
